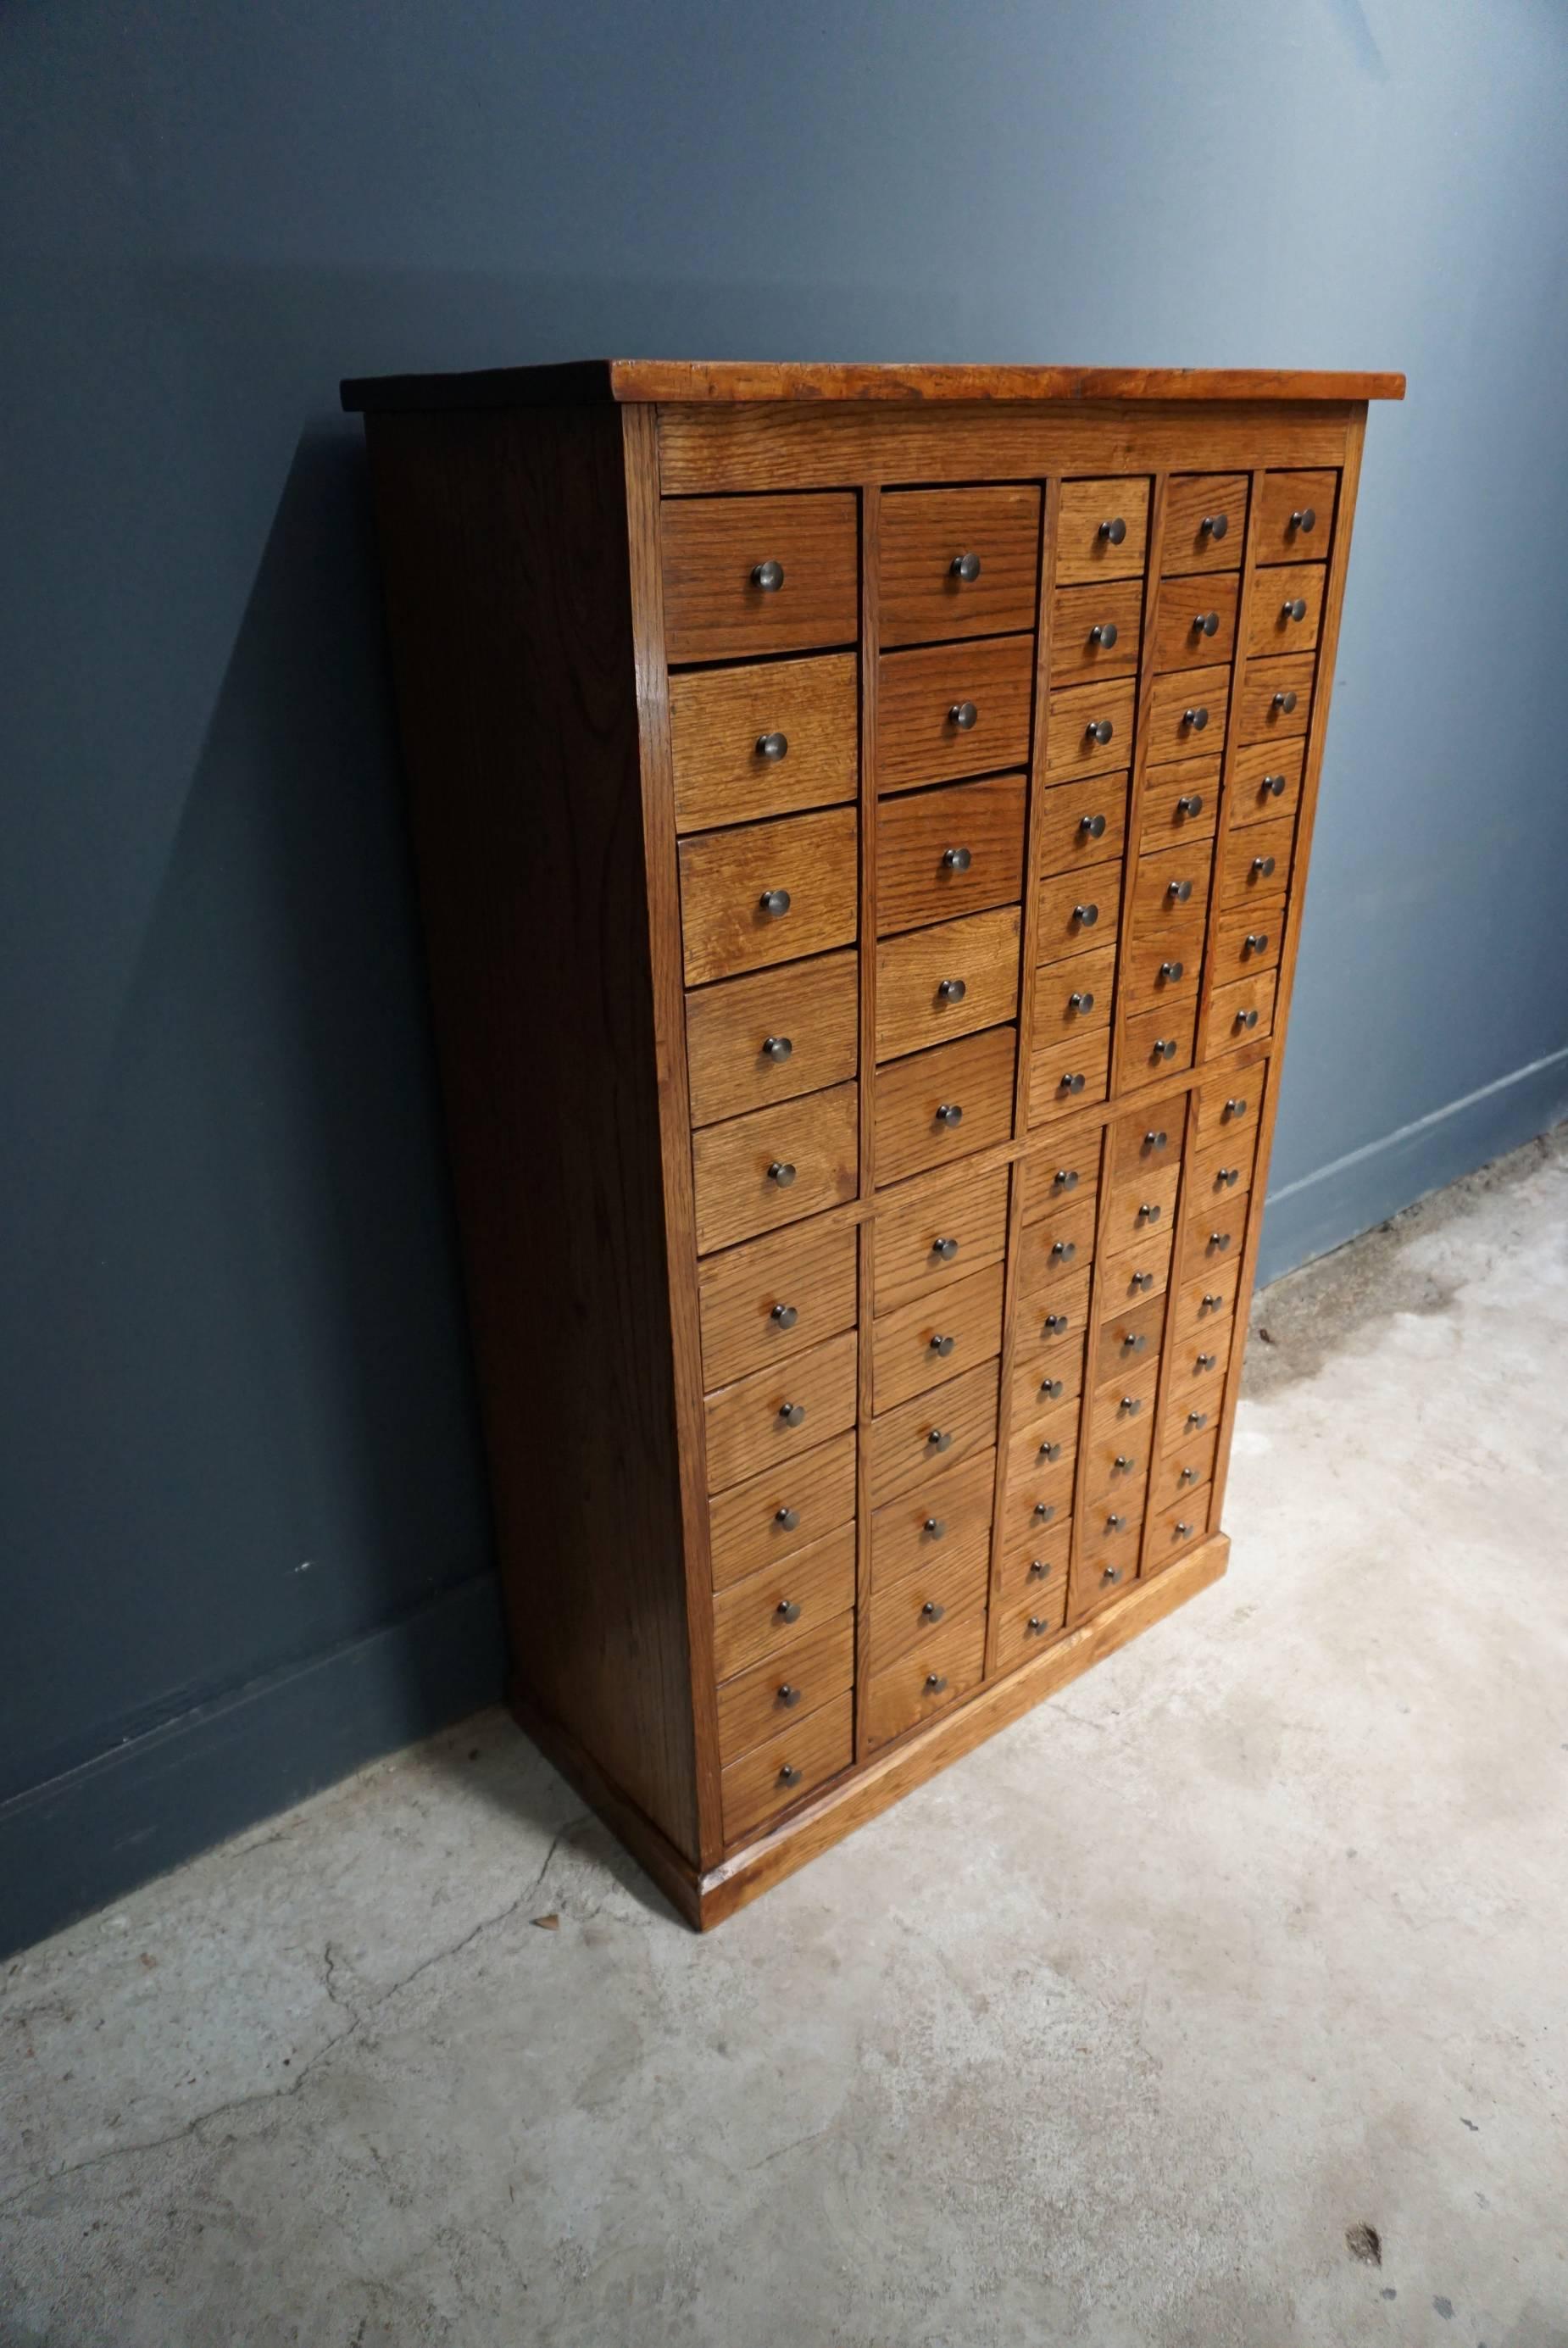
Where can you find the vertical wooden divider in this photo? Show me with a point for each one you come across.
(1153, 555)
(871, 644)
(1232, 750)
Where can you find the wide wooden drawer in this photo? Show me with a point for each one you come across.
(1296, 516)
(1276, 698)
(1090, 729)
(768, 738)
(1173, 1531)
(1180, 802)
(907, 1619)
(1066, 1075)
(952, 709)
(749, 575)
(936, 1338)
(956, 563)
(1102, 529)
(756, 1703)
(950, 851)
(1139, 1272)
(1179, 1474)
(1224, 1170)
(1255, 861)
(1267, 781)
(1248, 938)
(1083, 823)
(799, 1760)
(775, 1414)
(772, 1036)
(1075, 912)
(773, 1298)
(1242, 1014)
(945, 1104)
(1095, 631)
(944, 1668)
(776, 1166)
(1187, 712)
(936, 984)
(1155, 1042)
(1128, 1338)
(1197, 623)
(904, 1444)
(1140, 1207)
(767, 892)
(764, 1615)
(790, 1506)
(1205, 524)
(1207, 1301)
(931, 1234)
(1226, 1105)
(946, 1515)
(1286, 610)
(1025, 1629)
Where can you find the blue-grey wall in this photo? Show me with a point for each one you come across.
(244, 1532)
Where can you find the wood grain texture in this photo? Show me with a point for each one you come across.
(922, 597)
(1083, 645)
(739, 1168)
(963, 1211)
(1265, 781)
(792, 1765)
(905, 1355)
(1187, 708)
(946, 1516)
(1077, 913)
(1284, 534)
(941, 1670)
(768, 1697)
(1268, 684)
(1277, 623)
(974, 1076)
(1102, 530)
(1255, 861)
(764, 1615)
(1239, 1013)
(1195, 504)
(918, 739)
(907, 1620)
(1081, 823)
(715, 609)
(751, 1527)
(773, 1298)
(719, 717)
(1247, 937)
(903, 1447)
(771, 1418)
(917, 833)
(812, 1006)
(1076, 711)
(946, 981)
(1179, 801)
(725, 875)
(1197, 623)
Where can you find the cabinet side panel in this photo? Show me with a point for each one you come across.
(504, 553)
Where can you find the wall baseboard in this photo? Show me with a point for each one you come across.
(1337, 1203)
(94, 1833)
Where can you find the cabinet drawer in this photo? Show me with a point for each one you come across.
(763, 1616)
(1193, 1415)
(1044, 1374)
(945, 853)
(1195, 1360)
(1083, 823)
(1126, 1401)
(1242, 1014)
(1224, 1170)
(1174, 1530)
(1205, 524)
(1138, 1272)
(796, 1762)
(1276, 698)
(1256, 861)
(777, 1414)
(1067, 1074)
(944, 1668)
(945, 1104)
(756, 1703)
(792, 1504)
(1022, 1632)
(1054, 1258)
(1248, 938)
(1107, 1566)
(1072, 998)
(1090, 728)
(1187, 712)
(952, 709)
(957, 563)
(1033, 1570)
(1141, 1208)
(775, 1166)
(1156, 1042)
(766, 893)
(1179, 802)
(1267, 781)
(944, 1516)
(1037, 1505)
(1143, 1145)
(1296, 516)
(907, 1620)
(773, 1298)
(1117, 1467)
(903, 1446)
(1095, 631)
(1197, 623)
(1288, 609)
(936, 1338)
(932, 1233)
(1066, 1164)
(1227, 1105)
(1102, 529)
(1180, 1473)
(749, 575)
(766, 740)
(1166, 887)
(772, 1036)
(1076, 911)
(1129, 1337)
(946, 981)
(1215, 1231)
(1207, 1301)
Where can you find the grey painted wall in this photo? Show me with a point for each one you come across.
(245, 1539)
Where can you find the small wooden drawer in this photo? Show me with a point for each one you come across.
(1072, 998)
(1034, 1575)
(946, 1516)
(1083, 823)
(1242, 1014)
(1174, 1530)
(1170, 888)
(1076, 911)
(903, 1446)
(936, 1338)
(1207, 1301)
(756, 1703)
(769, 738)
(1090, 728)
(1033, 1627)
(1205, 524)
(766, 893)
(1144, 1145)
(1117, 1467)
(1214, 1236)
(773, 1298)
(1256, 861)
(1138, 1272)
(1195, 1414)
(1161, 976)
(772, 1036)
(790, 1506)
(796, 1762)
(944, 1668)
(1296, 516)
(950, 851)
(776, 1166)
(1068, 1075)
(1276, 698)
(956, 563)
(1227, 1106)
(1197, 623)
(931, 1233)
(1180, 802)
(1248, 938)
(762, 1616)
(1054, 1260)
(1095, 631)
(1265, 781)
(1107, 1565)
(749, 575)
(1129, 1336)
(1286, 610)
(1187, 712)
(1044, 1377)
(1102, 529)
(908, 1618)
(1037, 1505)
(1065, 1165)
(1140, 1207)
(1179, 1474)
(776, 1415)
(1156, 1042)
(1195, 1360)
(946, 981)
(1124, 1402)
(943, 1104)
(1224, 1170)
(952, 709)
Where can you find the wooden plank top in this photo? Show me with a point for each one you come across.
(688, 382)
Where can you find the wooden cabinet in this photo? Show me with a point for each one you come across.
(862, 817)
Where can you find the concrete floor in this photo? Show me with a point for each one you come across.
(1219, 2001)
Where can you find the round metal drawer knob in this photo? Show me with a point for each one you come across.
(788, 1610)
(1262, 867)
(773, 746)
(1164, 1048)
(1205, 623)
(788, 1519)
(1180, 892)
(1123, 1464)
(1197, 719)
(788, 1695)
(963, 715)
(1086, 916)
(1285, 701)
(1063, 1251)
(1114, 531)
(933, 1612)
(1038, 1627)
(1134, 1342)
(1271, 787)
(1149, 1211)
(1169, 971)
(1215, 525)
(1155, 1140)
(1048, 1454)
(1203, 1362)
(949, 1113)
(1255, 942)
(774, 901)
(1055, 1324)
(1140, 1281)
(935, 1682)
(956, 860)
(1081, 999)
(1246, 1019)
(1219, 1242)
(1116, 1524)
(1212, 1303)
(781, 1172)
(942, 1347)
(1073, 1084)
(1111, 1573)
(952, 990)
(1103, 633)
(1100, 729)
(788, 1774)
(793, 1413)
(1190, 803)
(1065, 1177)
(1094, 825)
(786, 1315)
(1305, 518)
(769, 576)
(1129, 1406)
(1183, 1532)
(965, 567)
(936, 1527)
(938, 1439)
(945, 1249)
(1043, 1511)
(1039, 1569)
(777, 1047)
(1187, 1476)
(1197, 1418)
(1227, 1176)
(1235, 1107)
(1051, 1389)
(1294, 608)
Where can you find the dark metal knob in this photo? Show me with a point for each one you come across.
(1271, 787)
(1140, 1281)
(1180, 891)
(1037, 1627)
(963, 715)
(1129, 1406)
(1285, 701)
(1044, 1510)
(1115, 1524)
(1183, 1532)
(1164, 1048)
(1123, 1464)
(1081, 999)
(956, 860)
(1197, 719)
(787, 1519)
(775, 900)
(777, 1047)
(936, 1527)
(1051, 1389)
(1246, 1019)
(1205, 623)
(965, 567)
(781, 1172)
(769, 576)
(786, 1315)
(1133, 1342)
(1065, 1177)
(1055, 1324)
(1094, 825)
(788, 1774)
(1039, 1569)
(1115, 531)
(1149, 1211)
(933, 1612)
(793, 1413)
(942, 1347)
(773, 745)
(1202, 1362)
(1103, 633)
(1099, 729)
(1073, 1084)
(1212, 1303)
(1219, 1242)
(1305, 518)
(788, 1610)
(938, 1439)
(1086, 916)
(935, 1682)
(1197, 1418)
(1172, 970)
(1111, 1573)
(1294, 608)
(945, 1249)
(952, 990)
(1255, 942)
(1155, 1139)
(1227, 1176)
(1190, 803)
(1262, 867)
(949, 1113)
(1187, 1476)
(1049, 1453)
(1215, 525)
(1063, 1250)
(788, 1695)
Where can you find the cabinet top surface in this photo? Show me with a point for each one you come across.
(730, 381)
